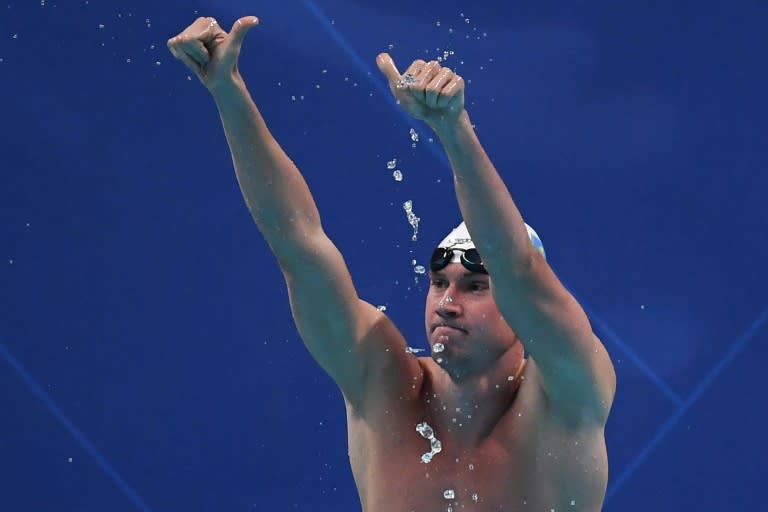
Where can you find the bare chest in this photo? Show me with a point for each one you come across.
(516, 467)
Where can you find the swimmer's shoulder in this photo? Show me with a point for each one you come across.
(391, 373)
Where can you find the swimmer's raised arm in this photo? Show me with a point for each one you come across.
(576, 372)
(340, 330)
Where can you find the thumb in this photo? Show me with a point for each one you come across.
(388, 68)
(240, 29)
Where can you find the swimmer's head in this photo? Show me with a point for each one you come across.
(458, 247)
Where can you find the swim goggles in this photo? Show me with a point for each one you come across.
(470, 258)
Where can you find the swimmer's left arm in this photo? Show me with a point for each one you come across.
(577, 374)
(576, 371)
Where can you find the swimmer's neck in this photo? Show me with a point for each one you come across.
(467, 409)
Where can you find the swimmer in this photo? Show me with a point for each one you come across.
(513, 406)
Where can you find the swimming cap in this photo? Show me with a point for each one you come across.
(459, 239)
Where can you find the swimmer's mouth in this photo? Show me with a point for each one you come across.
(443, 324)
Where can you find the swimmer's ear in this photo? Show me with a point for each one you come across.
(388, 68)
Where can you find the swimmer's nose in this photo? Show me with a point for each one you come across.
(448, 307)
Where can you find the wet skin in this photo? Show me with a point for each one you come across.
(502, 449)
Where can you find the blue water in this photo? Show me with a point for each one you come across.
(148, 360)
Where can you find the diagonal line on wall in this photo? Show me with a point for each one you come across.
(633, 356)
(369, 72)
(736, 348)
(79, 437)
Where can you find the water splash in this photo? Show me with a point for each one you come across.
(435, 445)
(413, 220)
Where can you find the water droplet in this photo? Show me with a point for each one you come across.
(381, 308)
(425, 430)
(392, 164)
(449, 494)
(437, 348)
(414, 135)
(419, 269)
(406, 80)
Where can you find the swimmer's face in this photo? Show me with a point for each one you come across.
(462, 315)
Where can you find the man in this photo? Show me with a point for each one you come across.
(477, 426)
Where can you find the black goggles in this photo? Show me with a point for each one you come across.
(470, 258)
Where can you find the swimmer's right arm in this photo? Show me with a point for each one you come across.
(344, 334)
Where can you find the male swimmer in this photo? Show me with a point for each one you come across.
(478, 426)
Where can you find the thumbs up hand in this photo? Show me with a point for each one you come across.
(427, 90)
(210, 52)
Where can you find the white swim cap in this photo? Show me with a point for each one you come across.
(459, 239)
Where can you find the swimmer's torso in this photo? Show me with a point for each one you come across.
(525, 462)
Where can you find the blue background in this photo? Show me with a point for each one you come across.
(148, 360)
